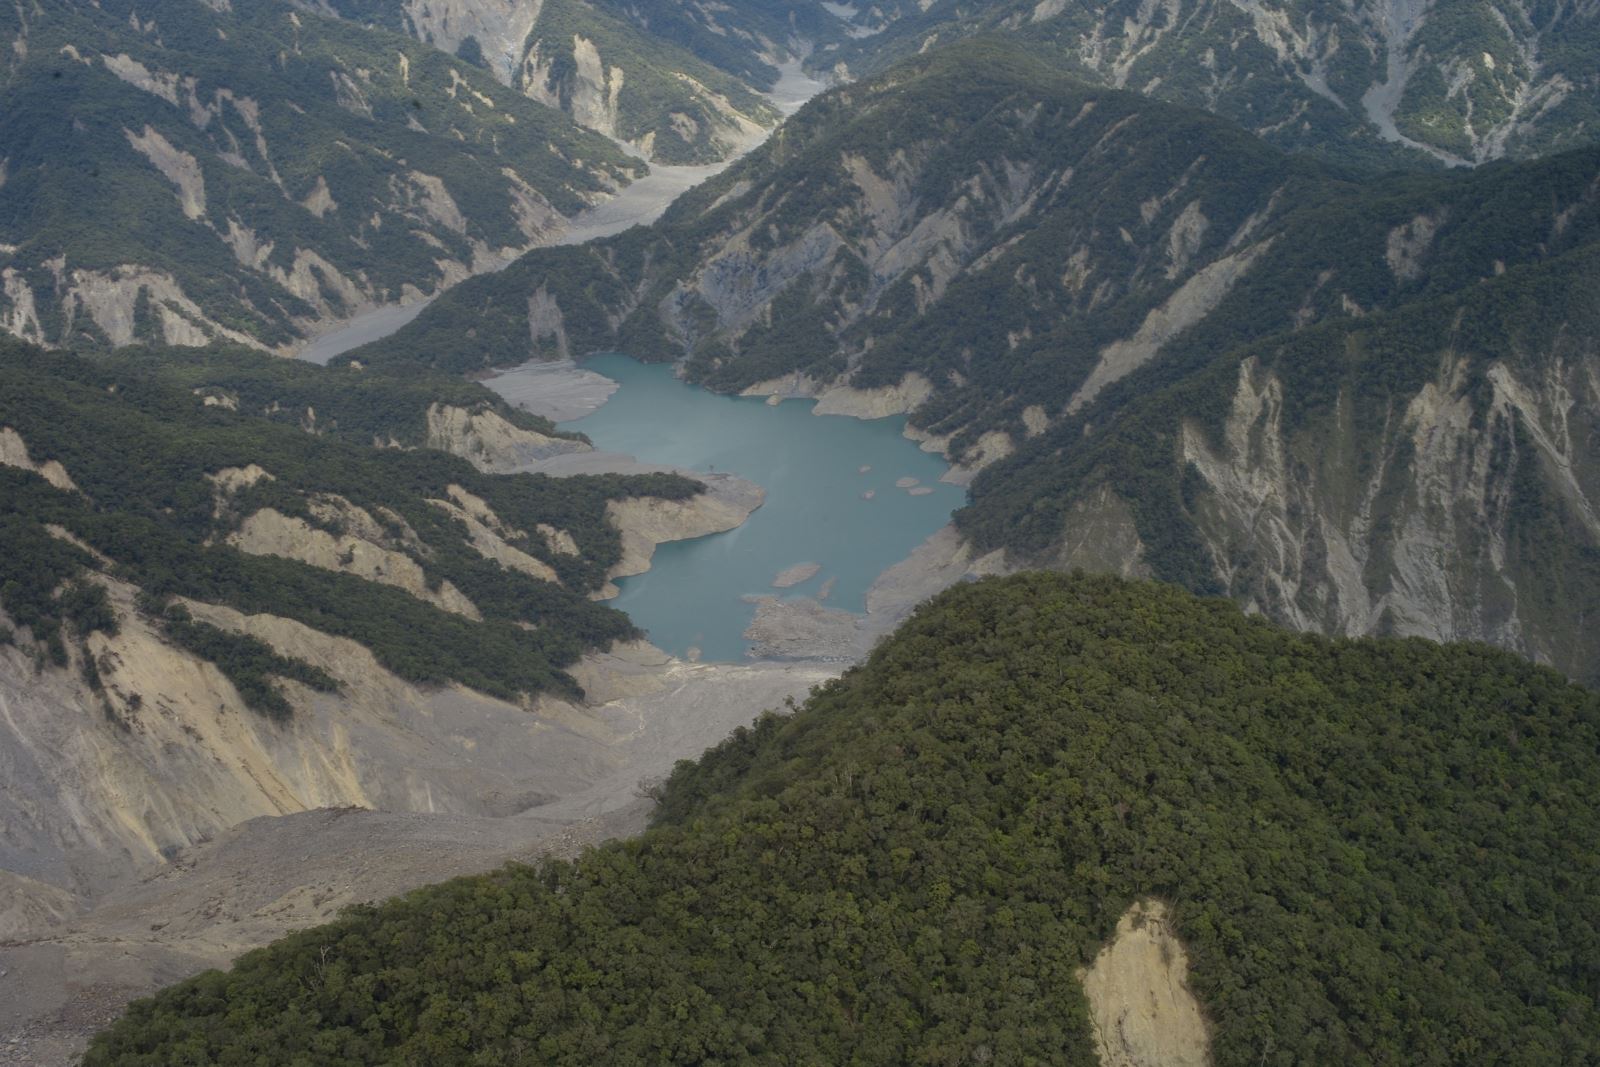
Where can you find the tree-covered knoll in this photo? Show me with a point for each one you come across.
(1376, 851)
(141, 448)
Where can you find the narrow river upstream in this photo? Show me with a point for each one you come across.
(637, 205)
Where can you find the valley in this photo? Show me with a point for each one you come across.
(164, 885)
(585, 531)
(638, 203)
(1140, 290)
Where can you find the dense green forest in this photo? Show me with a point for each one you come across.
(1376, 851)
(140, 445)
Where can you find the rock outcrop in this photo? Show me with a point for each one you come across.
(498, 27)
(490, 537)
(14, 453)
(649, 521)
(1139, 999)
(27, 906)
(1426, 541)
(271, 533)
(1197, 298)
(665, 104)
(491, 443)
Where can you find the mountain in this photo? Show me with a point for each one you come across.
(748, 41)
(1318, 850)
(1377, 81)
(632, 73)
(205, 493)
(1463, 82)
(236, 585)
(1358, 404)
(1180, 289)
(178, 172)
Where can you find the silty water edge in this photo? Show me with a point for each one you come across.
(852, 496)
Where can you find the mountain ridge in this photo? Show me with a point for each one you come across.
(600, 64)
(1457, 83)
(249, 175)
(1024, 255)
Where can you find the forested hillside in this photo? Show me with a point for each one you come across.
(173, 171)
(1430, 470)
(656, 78)
(1373, 850)
(220, 493)
(746, 41)
(1265, 335)
(1459, 82)
(1020, 260)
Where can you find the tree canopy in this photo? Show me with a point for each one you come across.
(1376, 850)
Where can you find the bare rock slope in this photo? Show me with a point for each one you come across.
(1139, 999)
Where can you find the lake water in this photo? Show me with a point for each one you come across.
(816, 510)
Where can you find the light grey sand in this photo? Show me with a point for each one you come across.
(559, 391)
(792, 576)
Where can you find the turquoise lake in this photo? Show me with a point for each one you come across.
(694, 594)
